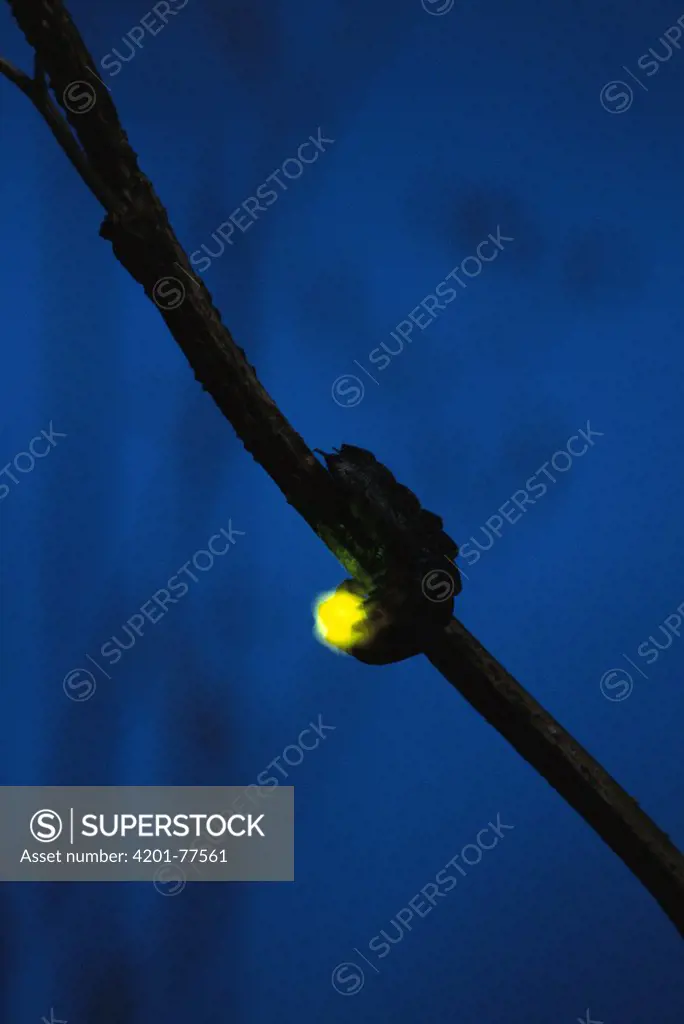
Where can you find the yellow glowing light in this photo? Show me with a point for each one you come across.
(339, 619)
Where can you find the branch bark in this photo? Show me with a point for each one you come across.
(143, 241)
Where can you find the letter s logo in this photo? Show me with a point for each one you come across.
(45, 826)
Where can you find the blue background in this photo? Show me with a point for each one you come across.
(445, 127)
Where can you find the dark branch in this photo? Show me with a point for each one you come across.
(144, 242)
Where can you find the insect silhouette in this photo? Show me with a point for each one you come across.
(412, 558)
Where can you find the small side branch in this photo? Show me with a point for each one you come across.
(36, 89)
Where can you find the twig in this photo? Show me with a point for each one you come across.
(36, 90)
(144, 242)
